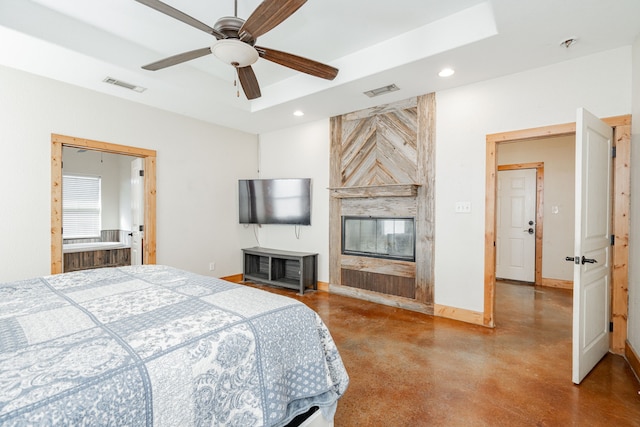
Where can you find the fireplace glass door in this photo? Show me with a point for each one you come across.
(392, 238)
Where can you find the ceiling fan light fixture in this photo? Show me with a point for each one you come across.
(234, 52)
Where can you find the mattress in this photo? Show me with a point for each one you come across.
(157, 346)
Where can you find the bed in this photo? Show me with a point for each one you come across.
(157, 346)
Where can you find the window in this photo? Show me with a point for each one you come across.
(81, 206)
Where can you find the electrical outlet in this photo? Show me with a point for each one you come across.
(463, 207)
(212, 266)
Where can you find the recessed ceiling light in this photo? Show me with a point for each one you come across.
(298, 113)
(446, 72)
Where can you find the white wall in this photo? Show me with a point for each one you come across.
(633, 332)
(558, 156)
(300, 152)
(541, 97)
(198, 166)
(545, 96)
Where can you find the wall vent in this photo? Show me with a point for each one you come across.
(381, 90)
(125, 85)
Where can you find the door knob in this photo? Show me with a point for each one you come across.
(529, 230)
(588, 260)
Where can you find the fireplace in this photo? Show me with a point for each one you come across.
(379, 237)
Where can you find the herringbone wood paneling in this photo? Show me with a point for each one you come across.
(380, 150)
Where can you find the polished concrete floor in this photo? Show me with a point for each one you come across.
(410, 369)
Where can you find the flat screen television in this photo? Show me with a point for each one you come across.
(275, 201)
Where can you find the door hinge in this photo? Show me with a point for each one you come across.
(141, 173)
(613, 239)
(610, 326)
(613, 152)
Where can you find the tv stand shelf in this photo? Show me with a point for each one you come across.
(293, 270)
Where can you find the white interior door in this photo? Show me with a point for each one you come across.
(515, 221)
(137, 210)
(592, 253)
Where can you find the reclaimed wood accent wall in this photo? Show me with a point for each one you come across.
(97, 259)
(382, 164)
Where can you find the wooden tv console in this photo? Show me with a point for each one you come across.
(294, 270)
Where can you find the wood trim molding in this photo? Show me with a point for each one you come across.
(557, 283)
(149, 245)
(533, 133)
(57, 142)
(323, 286)
(490, 232)
(56, 207)
(235, 278)
(632, 357)
(517, 166)
(621, 214)
(105, 147)
(620, 226)
(459, 314)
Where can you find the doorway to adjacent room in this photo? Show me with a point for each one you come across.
(620, 227)
(149, 196)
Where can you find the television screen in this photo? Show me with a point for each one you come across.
(275, 201)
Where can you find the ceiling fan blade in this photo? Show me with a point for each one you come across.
(177, 59)
(181, 16)
(249, 82)
(298, 63)
(268, 15)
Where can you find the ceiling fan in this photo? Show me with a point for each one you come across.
(235, 42)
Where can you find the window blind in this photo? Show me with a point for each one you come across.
(81, 206)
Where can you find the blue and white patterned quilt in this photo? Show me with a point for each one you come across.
(152, 345)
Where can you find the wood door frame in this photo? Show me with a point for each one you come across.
(539, 167)
(620, 214)
(149, 156)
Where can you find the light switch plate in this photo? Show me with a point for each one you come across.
(463, 207)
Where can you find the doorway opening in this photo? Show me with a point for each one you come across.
(621, 183)
(149, 196)
(98, 209)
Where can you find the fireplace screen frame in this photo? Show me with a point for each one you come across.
(379, 250)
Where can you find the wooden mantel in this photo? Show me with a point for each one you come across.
(372, 191)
